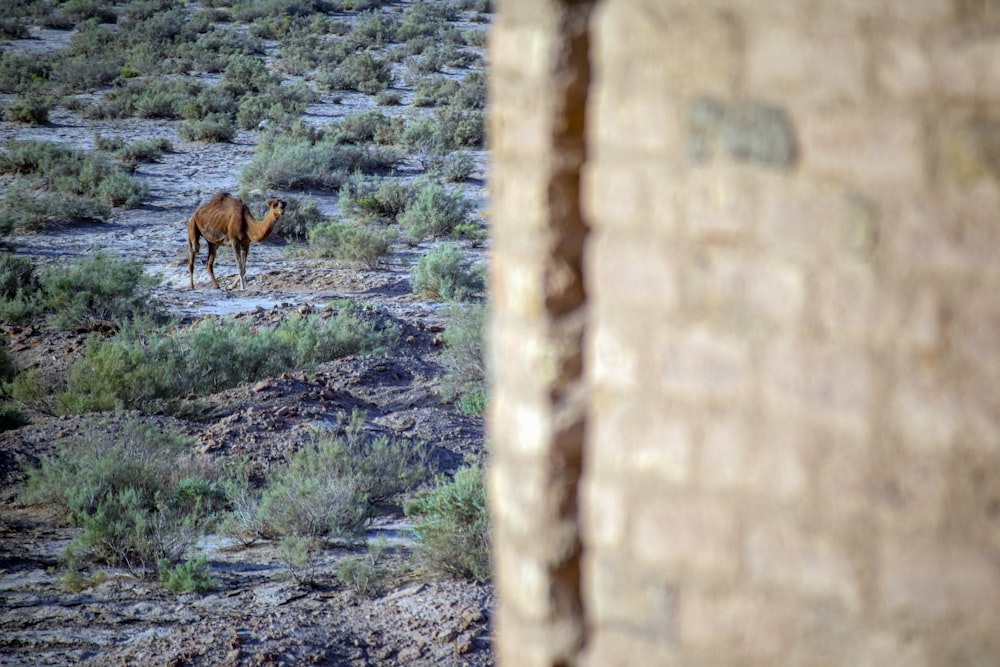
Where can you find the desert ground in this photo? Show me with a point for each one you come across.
(257, 614)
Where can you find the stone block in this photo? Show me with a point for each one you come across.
(932, 581)
(786, 553)
(703, 364)
(634, 274)
(817, 64)
(736, 623)
(638, 46)
(643, 438)
(619, 594)
(696, 536)
(834, 382)
(866, 149)
(739, 130)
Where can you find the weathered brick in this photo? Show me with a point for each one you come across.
(616, 647)
(903, 66)
(738, 623)
(721, 206)
(603, 511)
(835, 381)
(649, 443)
(937, 581)
(881, 151)
(622, 595)
(778, 466)
(925, 414)
(684, 535)
(966, 64)
(787, 554)
(783, 60)
(702, 364)
(634, 194)
(647, 45)
(612, 362)
(725, 453)
(641, 273)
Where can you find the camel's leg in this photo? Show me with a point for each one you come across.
(240, 250)
(210, 264)
(192, 253)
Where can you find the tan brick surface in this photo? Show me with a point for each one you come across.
(760, 330)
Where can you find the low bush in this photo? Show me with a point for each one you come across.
(20, 73)
(434, 212)
(144, 367)
(20, 290)
(445, 274)
(14, 28)
(351, 242)
(434, 90)
(191, 576)
(30, 108)
(374, 199)
(359, 71)
(214, 128)
(451, 523)
(68, 171)
(458, 166)
(466, 375)
(365, 575)
(98, 288)
(287, 161)
(26, 208)
(328, 487)
(118, 483)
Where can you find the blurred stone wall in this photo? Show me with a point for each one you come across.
(745, 332)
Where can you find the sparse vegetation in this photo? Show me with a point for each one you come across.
(452, 525)
(435, 211)
(445, 274)
(329, 486)
(125, 493)
(466, 375)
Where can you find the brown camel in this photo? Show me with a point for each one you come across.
(225, 218)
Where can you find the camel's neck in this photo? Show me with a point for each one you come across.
(259, 230)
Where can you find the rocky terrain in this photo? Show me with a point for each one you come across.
(258, 614)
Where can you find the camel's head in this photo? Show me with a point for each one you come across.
(276, 206)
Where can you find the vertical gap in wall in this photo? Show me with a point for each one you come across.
(566, 303)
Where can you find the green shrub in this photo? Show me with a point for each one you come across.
(191, 576)
(68, 171)
(13, 28)
(434, 90)
(144, 150)
(25, 209)
(351, 242)
(434, 212)
(466, 375)
(298, 554)
(19, 73)
(458, 166)
(99, 287)
(445, 274)
(374, 199)
(116, 482)
(30, 108)
(213, 128)
(308, 497)
(359, 71)
(286, 161)
(328, 486)
(365, 575)
(140, 367)
(20, 290)
(452, 526)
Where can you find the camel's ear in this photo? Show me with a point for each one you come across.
(271, 202)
